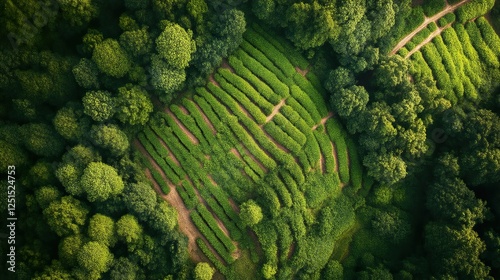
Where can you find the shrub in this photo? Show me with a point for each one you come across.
(195, 112)
(255, 111)
(355, 166)
(292, 131)
(268, 47)
(306, 102)
(281, 137)
(434, 60)
(313, 94)
(294, 106)
(326, 146)
(264, 74)
(210, 236)
(283, 47)
(259, 85)
(449, 65)
(473, 9)
(448, 18)
(487, 55)
(247, 89)
(204, 248)
(209, 219)
(189, 122)
(262, 59)
(431, 8)
(229, 222)
(489, 35)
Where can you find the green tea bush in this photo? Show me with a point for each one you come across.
(210, 221)
(261, 58)
(316, 82)
(306, 102)
(355, 166)
(281, 137)
(264, 74)
(207, 252)
(434, 60)
(489, 35)
(289, 128)
(473, 9)
(241, 98)
(248, 90)
(210, 236)
(485, 53)
(259, 85)
(200, 121)
(448, 18)
(313, 94)
(269, 48)
(293, 107)
(189, 122)
(327, 151)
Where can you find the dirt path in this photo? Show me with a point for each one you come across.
(276, 110)
(205, 118)
(302, 72)
(226, 65)
(427, 20)
(323, 120)
(183, 128)
(321, 163)
(428, 39)
(335, 156)
(212, 80)
(186, 226)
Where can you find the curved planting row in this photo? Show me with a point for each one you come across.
(262, 131)
(458, 58)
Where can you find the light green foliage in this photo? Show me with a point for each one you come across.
(66, 216)
(86, 74)
(94, 258)
(99, 105)
(41, 139)
(71, 123)
(43, 173)
(140, 199)
(102, 229)
(269, 270)
(166, 79)
(68, 249)
(111, 59)
(46, 195)
(203, 271)
(110, 138)
(164, 218)
(100, 181)
(250, 213)
(133, 105)
(128, 229)
(175, 46)
(68, 174)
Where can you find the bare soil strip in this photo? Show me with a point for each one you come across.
(226, 65)
(428, 39)
(335, 156)
(302, 72)
(323, 120)
(186, 226)
(291, 250)
(236, 153)
(205, 118)
(276, 110)
(184, 129)
(427, 20)
(212, 80)
(183, 110)
(212, 180)
(321, 162)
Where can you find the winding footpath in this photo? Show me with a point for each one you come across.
(448, 9)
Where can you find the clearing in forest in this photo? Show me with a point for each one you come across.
(259, 130)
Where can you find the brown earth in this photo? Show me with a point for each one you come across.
(323, 120)
(302, 72)
(427, 20)
(433, 35)
(276, 110)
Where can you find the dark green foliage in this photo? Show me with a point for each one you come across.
(71, 123)
(41, 139)
(136, 42)
(433, 7)
(109, 138)
(86, 74)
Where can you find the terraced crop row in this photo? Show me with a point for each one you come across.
(256, 129)
(459, 57)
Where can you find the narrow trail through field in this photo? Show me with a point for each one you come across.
(212, 80)
(186, 226)
(433, 35)
(335, 157)
(183, 128)
(323, 120)
(276, 110)
(302, 72)
(449, 8)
